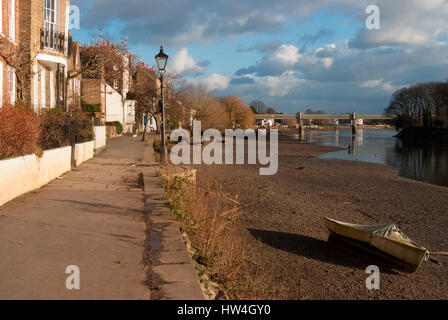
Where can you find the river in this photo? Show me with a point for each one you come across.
(423, 162)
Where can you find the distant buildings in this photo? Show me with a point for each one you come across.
(265, 123)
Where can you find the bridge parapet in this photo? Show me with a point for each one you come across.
(324, 116)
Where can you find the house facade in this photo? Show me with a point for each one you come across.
(44, 36)
(74, 78)
(9, 37)
(109, 86)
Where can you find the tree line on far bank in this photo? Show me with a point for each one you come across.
(423, 105)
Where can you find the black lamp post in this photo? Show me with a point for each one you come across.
(161, 60)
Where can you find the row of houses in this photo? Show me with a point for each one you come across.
(41, 66)
(35, 47)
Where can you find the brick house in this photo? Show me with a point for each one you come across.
(109, 87)
(74, 77)
(44, 35)
(9, 36)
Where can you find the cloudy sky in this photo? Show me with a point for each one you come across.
(291, 54)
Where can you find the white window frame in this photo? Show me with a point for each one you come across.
(12, 19)
(51, 21)
(42, 89)
(1, 17)
(12, 85)
(35, 86)
(52, 94)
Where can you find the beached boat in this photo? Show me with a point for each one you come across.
(386, 242)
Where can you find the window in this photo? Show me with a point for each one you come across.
(42, 89)
(36, 86)
(12, 19)
(51, 89)
(12, 85)
(50, 16)
(1, 17)
(1, 83)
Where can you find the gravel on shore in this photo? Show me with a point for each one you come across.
(287, 228)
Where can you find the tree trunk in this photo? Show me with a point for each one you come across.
(146, 126)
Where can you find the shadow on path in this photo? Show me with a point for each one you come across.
(100, 207)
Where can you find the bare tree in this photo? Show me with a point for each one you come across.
(145, 93)
(259, 106)
(241, 116)
(19, 58)
(421, 105)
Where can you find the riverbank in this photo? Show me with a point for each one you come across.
(286, 235)
(419, 135)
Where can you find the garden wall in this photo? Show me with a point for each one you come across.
(23, 174)
(100, 138)
(83, 152)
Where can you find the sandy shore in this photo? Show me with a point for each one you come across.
(287, 233)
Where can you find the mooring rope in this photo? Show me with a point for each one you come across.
(438, 253)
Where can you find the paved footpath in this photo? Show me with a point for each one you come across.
(91, 217)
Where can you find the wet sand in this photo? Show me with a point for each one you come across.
(287, 234)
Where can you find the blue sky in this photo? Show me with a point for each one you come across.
(291, 54)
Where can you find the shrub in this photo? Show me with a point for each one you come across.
(91, 108)
(156, 144)
(56, 126)
(82, 126)
(119, 127)
(55, 130)
(20, 131)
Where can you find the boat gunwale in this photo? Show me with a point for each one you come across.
(421, 255)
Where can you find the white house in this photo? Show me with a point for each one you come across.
(114, 105)
(152, 124)
(265, 122)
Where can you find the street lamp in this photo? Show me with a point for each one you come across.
(161, 60)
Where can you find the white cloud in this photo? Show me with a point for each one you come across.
(387, 86)
(183, 63)
(371, 83)
(279, 86)
(216, 81)
(286, 54)
(212, 82)
(406, 22)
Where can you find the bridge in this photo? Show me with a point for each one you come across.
(300, 116)
(322, 116)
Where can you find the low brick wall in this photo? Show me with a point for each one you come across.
(83, 152)
(100, 138)
(23, 174)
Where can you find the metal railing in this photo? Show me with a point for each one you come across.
(57, 41)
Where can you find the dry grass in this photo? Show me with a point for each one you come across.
(209, 216)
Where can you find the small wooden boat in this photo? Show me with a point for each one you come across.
(386, 242)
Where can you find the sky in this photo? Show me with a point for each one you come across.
(290, 54)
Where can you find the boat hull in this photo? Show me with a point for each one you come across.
(399, 255)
